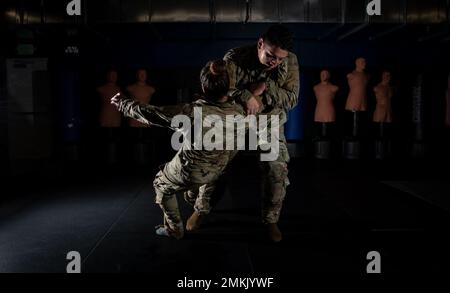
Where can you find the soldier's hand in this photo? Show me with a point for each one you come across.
(257, 88)
(252, 106)
(115, 100)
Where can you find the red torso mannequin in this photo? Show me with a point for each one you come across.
(357, 81)
(141, 92)
(325, 92)
(109, 116)
(383, 94)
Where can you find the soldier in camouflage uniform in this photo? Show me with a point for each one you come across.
(190, 169)
(265, 79)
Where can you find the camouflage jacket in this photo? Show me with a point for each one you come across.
(200, 165)
(282, 83)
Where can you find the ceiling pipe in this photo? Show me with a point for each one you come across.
(356, 29)
(331, 31)
(387, 32)
(353, 31)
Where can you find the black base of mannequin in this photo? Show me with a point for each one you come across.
(382, 149)
(356, 123)
(109, 146)
(351, 149)
(142, 146)
(418, 150)
(112, 153)
(323, 145)
(142, 153)
(382, 144)
(322, 149)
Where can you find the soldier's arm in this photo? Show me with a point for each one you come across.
(241, 95)
(146, 114)
(150, 114)
(286, 95)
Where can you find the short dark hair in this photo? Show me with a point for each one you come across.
(214, 80)
(279, 36)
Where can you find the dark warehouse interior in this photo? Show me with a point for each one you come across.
(70, 184)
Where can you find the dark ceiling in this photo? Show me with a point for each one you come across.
(286, 11)
(320, 20)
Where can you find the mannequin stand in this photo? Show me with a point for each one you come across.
(110, 143)
(352, 145)
(142, 148)
(382, 142)
(322, 146)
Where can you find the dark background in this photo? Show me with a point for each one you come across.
(61, 191)
(410, 38)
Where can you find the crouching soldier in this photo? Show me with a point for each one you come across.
(192, 170)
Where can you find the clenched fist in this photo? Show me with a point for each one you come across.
(115, 100)
(257, 88)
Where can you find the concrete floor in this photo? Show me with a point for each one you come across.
(334, 214)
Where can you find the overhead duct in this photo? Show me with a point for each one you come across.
(355, 11)
(54, 11)
(9, 12)
(229, 10)
(293, 11)
(135, 11)
(29, 12)
(393, 11)
(264, 11)
(330, 11)
(177, 11)
(430, 11)
(224, 11)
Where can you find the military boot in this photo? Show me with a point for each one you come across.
(162, 230)
(274, 232)
(194, 221)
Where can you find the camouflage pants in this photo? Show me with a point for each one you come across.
(200, 198)
(275, 181)
(169, 181)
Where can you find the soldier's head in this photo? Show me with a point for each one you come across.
(274, 46)
(214, 80)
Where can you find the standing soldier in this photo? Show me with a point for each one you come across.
(265, 79)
